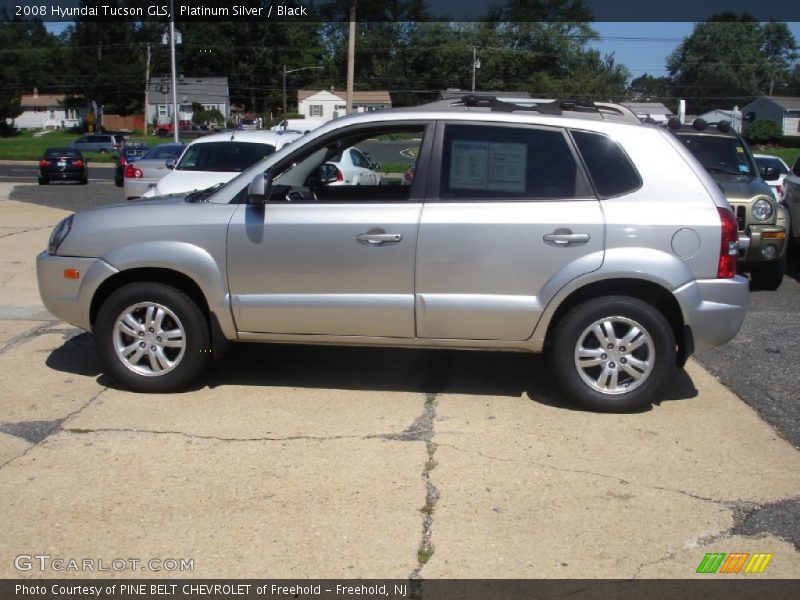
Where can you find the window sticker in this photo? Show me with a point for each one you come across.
(487, 166)
(469, 162)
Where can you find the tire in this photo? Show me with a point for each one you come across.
(186, 353)
(85, 180)
(43, 181)
(768, 276)
(654, 354)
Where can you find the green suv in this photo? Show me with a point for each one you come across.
(761, 220)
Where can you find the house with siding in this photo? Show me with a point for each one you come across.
(46, 111)
(210, 92)
(326, 105)
(783, 109)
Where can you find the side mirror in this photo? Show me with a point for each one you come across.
(376, 166)
(770, 174)
(259, 190)
(328, 173)
(170, 164)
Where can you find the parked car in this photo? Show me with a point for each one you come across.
(761, 221)
(99, 142)
(146, 172)
(63, 164)
(350, 167)
(791, 198)
(166, 129)
(765, 161)
(129, 153)
(218, 158)
(568, 229)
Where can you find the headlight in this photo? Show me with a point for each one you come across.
(762, 209)
(59, 234)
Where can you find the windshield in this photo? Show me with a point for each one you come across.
(766, 161)
(59, 152)
(719, 154)
(164, 152)
(223, 156)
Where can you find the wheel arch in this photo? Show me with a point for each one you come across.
(173, 278)
(648, 291)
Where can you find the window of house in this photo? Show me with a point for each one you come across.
(315, 110)
(486, 162)
(162, 110)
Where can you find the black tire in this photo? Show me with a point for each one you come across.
(196, 354)
(768, 276)
(625, 311)
(85, 180)
(43, 181)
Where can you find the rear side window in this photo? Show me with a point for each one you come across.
(223, 156)
(511, 163)
(609, 167)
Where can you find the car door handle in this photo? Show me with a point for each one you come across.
(564, 239)
(379, 238)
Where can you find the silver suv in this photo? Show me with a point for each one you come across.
(564, 228)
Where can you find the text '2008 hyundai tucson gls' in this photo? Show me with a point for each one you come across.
(556, 227)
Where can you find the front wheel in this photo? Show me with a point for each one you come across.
(613, 354)
(152, 337)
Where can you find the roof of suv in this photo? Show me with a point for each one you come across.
(580, 109)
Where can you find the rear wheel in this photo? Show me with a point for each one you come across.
(84, 180)
(152, 337)
(613, 354)
(43, 181)
(768, 276)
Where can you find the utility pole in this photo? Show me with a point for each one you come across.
(284, 91)
(351, 57)
(474, 58)
(146, 89)
(174, 73)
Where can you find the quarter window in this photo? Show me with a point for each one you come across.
(506, 163)
(609, 167)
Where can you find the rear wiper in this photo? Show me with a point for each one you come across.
(201, 195)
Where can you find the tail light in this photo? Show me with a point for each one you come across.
(131, 172)
(778, 191)
(44, 163)
(729, 245)
(122, 161)
(339, 175)
(77, 163)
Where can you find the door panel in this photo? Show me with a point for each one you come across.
(301, 269)
(482, 265)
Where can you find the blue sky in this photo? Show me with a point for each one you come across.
(649, 54)
(642, 47)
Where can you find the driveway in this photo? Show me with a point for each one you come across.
(290, 461)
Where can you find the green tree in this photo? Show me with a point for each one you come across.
(763, 130)
(730, 60)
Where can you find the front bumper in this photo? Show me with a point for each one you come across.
(758, 237)
(70, 299)
(714, 309)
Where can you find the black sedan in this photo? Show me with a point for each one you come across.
(63, 164)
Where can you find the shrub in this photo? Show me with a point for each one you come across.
(763, 131)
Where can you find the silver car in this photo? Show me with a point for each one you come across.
(145, 173)
(572, 230)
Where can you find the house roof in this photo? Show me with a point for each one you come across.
(651, 108)
(455, 94)
(367, 97)
(205, 90)
(785, 102)
(41, 101)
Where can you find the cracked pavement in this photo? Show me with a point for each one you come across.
(291, 461)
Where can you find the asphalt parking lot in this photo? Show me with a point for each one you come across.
(289, 461)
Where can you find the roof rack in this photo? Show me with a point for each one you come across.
(553, 107)
(699, 124)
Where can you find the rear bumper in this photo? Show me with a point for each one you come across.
(714, 309)
(136, 188)
(65, 174)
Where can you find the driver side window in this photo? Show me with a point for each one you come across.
(348, 168)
